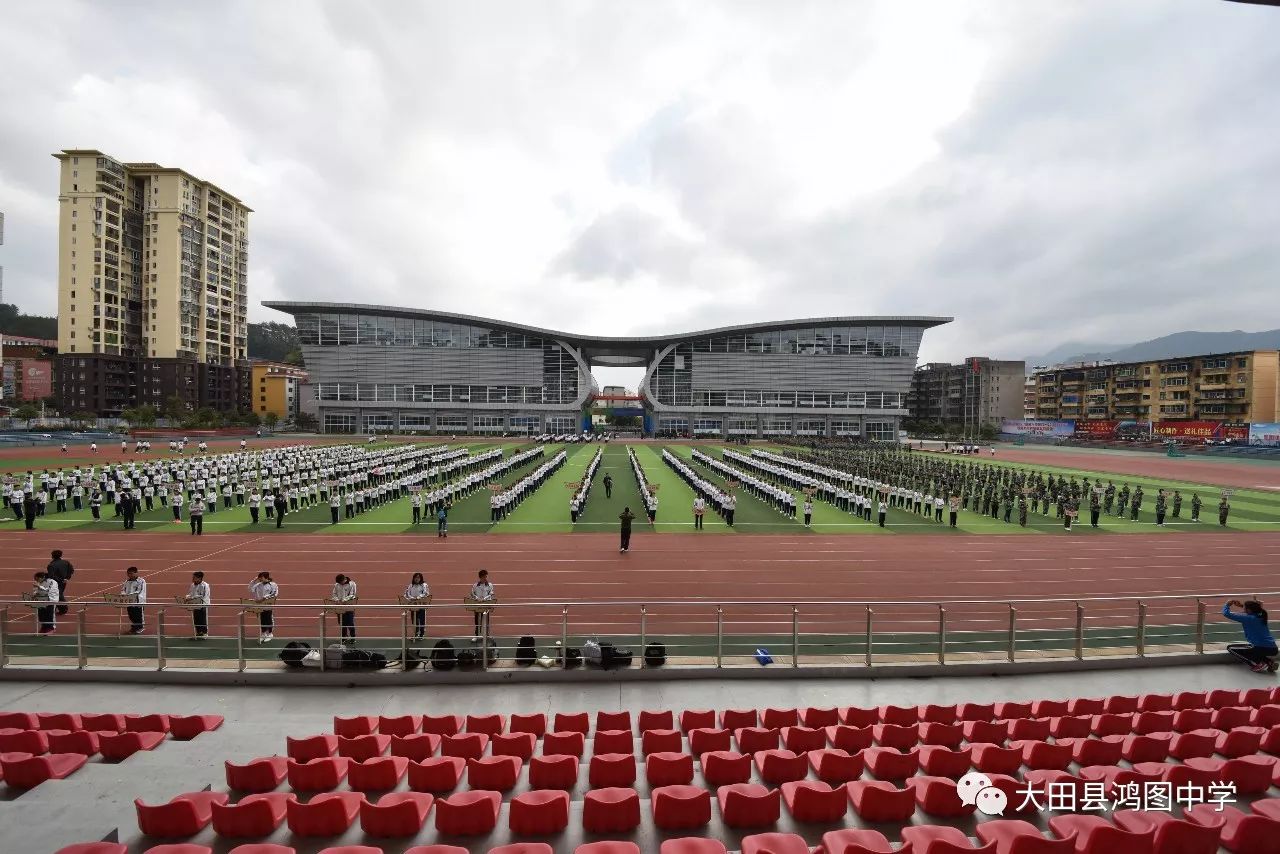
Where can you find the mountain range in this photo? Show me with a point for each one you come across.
(1188, 343)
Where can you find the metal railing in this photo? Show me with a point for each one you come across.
(795, 634)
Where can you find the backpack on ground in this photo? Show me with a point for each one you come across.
(655, 654)
(618, 657)
(526, 653)
(363, 659)
(293, 653)
(607, 652)
(333, 656)
(467, 659)
(442, 656)
(592, 651)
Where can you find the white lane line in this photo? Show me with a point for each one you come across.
(167, 568)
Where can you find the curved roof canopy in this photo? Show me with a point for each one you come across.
(617, 344)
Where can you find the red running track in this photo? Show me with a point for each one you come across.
(695, 570)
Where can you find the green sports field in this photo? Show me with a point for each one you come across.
(547, 510)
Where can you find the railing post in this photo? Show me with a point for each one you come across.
(868, 641)
(564, 637)
(404, 640)
(795, 636)
(82, 661)
(942, 635)
(719, 636)
(160, 639)
(1142, 629)
(644, 614)
(1199, 627)
(484, 643)
(322, 643)
(240, 641)
(4, 636)
(1013, 632)
(1079, 632)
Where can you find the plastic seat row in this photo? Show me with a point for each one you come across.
(181, 727)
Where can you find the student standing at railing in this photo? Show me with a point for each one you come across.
(263, 589)
(134, 586)
(45, 589)
(60, 571)
(418, 589)
(344, 590)
(199, 593)
(482, 591)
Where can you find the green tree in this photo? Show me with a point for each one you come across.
(294, 357)
(27, 411)
(988, 432)
(307, 422)
(83, 418)
(271, 420)
(175, 408)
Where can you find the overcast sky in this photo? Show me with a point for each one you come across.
(1042, 171)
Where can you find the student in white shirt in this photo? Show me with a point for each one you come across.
(199, 593)
(261, 589)
(46, 589)
(418, 589)
(344, 590)
(808, 511)
(134, 586)
(699, 508)
(254, 500)
(482, 591)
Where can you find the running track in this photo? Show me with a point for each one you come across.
(685, 568)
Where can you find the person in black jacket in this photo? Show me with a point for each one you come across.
(128, 509)
(60, 571)
(281, 507)
(29, 507)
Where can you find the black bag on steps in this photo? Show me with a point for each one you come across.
(655, 654)
(526, 654)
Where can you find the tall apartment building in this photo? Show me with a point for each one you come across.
(979, 391)
(1233, 387)
(152, 287)
(277, 388)
(1029, 396)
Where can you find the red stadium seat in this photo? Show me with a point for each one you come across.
(435, 849)
(851, 738)
(185, 848)
(1171, 835)
(563, 743)
(936, 714)
(184, 815)
(312, 747)
(723, 767)
(55, 720)
(1093, 834)
(400, 725)
(316, 775)
(661, 741)
(859, 717)
(986, 732)
(1012, 710)
(350, 849)
(1042, 754)
(1271, 741)
(1115, 775)
(1112, 724)
(416, 747)
(1015, 792)
(888, 764)
(1189, 720)
(355, 726)
(327, 814)
(612, 770)
(535, 724)
(939, 796)
(1267, 808)
(612, 741)
(436, 774)
(1254, 697)
(1241, 741)
(815, 801)
(1266, 716)
(379, 774)
(649, 720)
(146, 723)
(1230, 717)
(487, 724)
(995, 758)
(1030, 729)
(539, 813)
(256, 775)
(553, 772)
(1079, 726)
(468, 813)
(495, 773)
(880, 801)
(1239, 832)
(20, 720)
(610, 810)
(945, 762)
(781, 766)
(1155, 703)
(945, 735)
(1186, 745)
(103, 722)
(1190, 700)
(691, 719)
(187, 727)
(680, 807)
(854, 842)
(752, 739)
(362, 747)
(975, 712)
(31, 741)
(608, 848)
(442, 724)
(117, 747)
(571, 722)
(94, 848)
(1145, 748)
(1220, 698)
(613, 721)
(519, 744)
(749, 805)
(900, 737)
(833, 765)
(735, 719)
(803, 739)
(932, 839)
(706, 739)
(24, 771)
(1120, 705)
(523, 848)
(252, 817)
(1089, 706)
(1094, 751)
(819, 718)
(775, 843)
(260, 848)
(1144, 723)
(898, 715)
(468, 745)
(78, 741)
(779, 718)
(1251, 775)
(668, 769)
(1012, 836)
(692, 845)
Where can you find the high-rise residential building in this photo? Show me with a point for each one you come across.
(277, 388)
(980, 391)
(152, 287)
